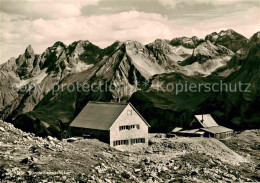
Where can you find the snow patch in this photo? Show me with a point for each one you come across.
(180, 50)
(146, 67)
(34, 80)
(206, 49)
(208, 67)
(81, 66)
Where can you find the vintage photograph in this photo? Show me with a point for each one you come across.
(134, 91)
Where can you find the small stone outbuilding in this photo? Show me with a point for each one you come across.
(204, 125)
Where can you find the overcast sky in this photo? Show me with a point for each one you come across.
(41, 23)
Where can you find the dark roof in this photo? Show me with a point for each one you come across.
(217, 129)
(100, 115)
(208, 121)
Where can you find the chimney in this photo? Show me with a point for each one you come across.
(202, 119)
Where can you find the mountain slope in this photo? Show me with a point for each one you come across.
(237, 109)
(238, 59)
(53, 65)
(44, 101)
(206, 58)
(186, 42)
(228, 38)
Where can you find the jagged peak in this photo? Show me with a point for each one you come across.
(117, 41)
(132, 43)
(206, 44)
(10, 65)
(186, 37)
(209, 45)
(208, 48)
(56, 47)
(213, 33)
(58, 43)
(256, 36)
(180, 38)
(83, 42)
(188, 42)
(9, 61)
(160, 41)
(29, 48)
(116, 44)
(79, 42)
(194, 37)
(229, 31)
(257, 33)
(29, 52)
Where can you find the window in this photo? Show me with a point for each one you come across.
(137, 141)
(120, 142)
(129, 127)
(129, 112)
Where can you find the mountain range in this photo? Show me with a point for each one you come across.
(36, 96)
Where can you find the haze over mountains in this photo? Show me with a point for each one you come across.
(226, 56)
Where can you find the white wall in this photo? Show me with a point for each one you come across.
(125, 119)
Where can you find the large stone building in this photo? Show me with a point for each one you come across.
(118, 124)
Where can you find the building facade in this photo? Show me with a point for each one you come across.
(129, 129)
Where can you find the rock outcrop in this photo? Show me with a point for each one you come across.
(27, 158)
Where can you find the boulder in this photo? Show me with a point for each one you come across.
(2, 129)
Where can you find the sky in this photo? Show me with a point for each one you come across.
(41, 23)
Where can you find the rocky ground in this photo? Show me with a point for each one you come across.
(26, 158)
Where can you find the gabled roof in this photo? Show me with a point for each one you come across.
(208, 121)
(217, 129)
(139, 115)
(100, 115)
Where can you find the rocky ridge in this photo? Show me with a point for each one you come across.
(28, 84)
(38, 74)
(228, 38)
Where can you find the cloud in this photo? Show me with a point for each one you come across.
(172, 9)
(48, 9)
(17, 29)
